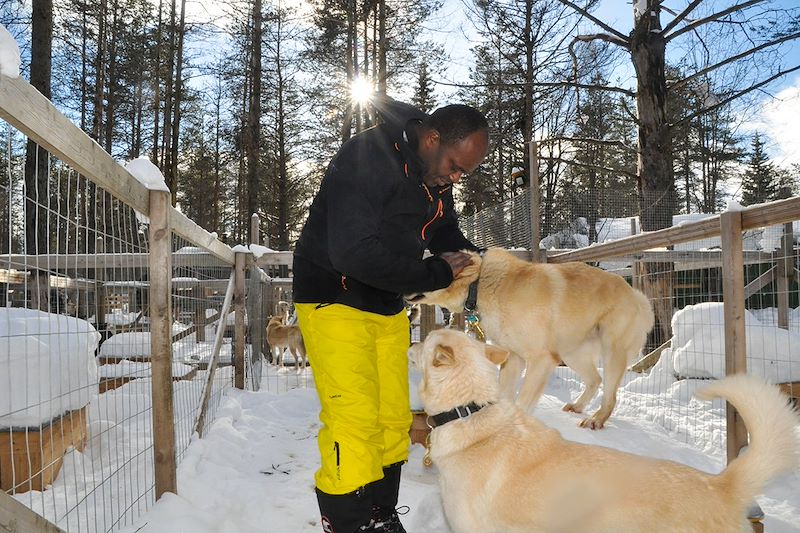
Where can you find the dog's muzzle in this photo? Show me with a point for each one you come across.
(414, 298)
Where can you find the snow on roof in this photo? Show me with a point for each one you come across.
(135, 344)
(47, 366)
(129, 344)
(132, 369)
(147, 173)
(9, 54)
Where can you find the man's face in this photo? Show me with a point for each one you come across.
(446, 164)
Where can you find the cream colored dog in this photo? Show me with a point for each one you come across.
(501, 470)
(547, 313)
(281, 336)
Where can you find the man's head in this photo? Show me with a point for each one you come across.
(453, 141)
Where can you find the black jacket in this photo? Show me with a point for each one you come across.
(371, 221)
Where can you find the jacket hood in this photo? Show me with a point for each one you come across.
(396, 115)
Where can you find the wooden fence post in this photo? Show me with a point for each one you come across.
(238, 323)
(537, 256)
(198, 294)
(733, 303)
(160, 262)
(427, 320)
(636, 266)
(783, 273)
(255, 311)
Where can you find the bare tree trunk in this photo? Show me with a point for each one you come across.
(99, 72)
(356, 70)
(154, 157)
(241, 179)
(656, 179)
(527, 133)
(36, 160)
(169, 99)
(84, 67)
(347, 123)
(365, 109)
(215, 218)
(283, 172)
(176, 121)
(253, 129)
(136, 122)
(112, 78)
(382, 47)
(656, 175)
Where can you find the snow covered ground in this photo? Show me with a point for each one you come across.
(253, 471)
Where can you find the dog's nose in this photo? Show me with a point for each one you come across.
(414, 297)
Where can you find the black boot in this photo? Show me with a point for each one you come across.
(385, 493)
(346, 513)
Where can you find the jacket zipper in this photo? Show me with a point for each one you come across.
(439, 213)
(439, 207)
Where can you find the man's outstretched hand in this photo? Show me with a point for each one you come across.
(457, 261)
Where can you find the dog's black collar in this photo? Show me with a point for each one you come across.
(462, 411)
(471, 303)
(472, 299)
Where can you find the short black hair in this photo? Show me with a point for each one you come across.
(455, 122)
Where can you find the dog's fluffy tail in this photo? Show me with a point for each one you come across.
(772, 424)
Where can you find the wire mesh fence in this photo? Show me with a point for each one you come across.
(507, 225)
(570, 218)
(76, 342)
(689, 284)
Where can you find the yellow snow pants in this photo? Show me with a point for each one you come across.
(360, 365)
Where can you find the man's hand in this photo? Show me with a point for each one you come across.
(457, 261)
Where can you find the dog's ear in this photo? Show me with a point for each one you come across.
(496, 354)
(443, 356)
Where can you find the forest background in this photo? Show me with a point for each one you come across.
(242, 103)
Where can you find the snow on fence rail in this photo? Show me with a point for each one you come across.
(114, 340)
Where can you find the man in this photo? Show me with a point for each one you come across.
(385, 198)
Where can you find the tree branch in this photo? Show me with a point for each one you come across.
(734, 96)
(620, 36)
(711, 18)
(613, 39)
(731, 59)
(587, 86)
(593, 167)
(680, 17)
(607, 142)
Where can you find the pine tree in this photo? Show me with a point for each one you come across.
(423, 92)
(760, 180)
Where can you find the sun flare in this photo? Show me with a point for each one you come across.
(360, 90)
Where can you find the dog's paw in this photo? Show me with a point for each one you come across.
(591, 423)
(572, 408)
